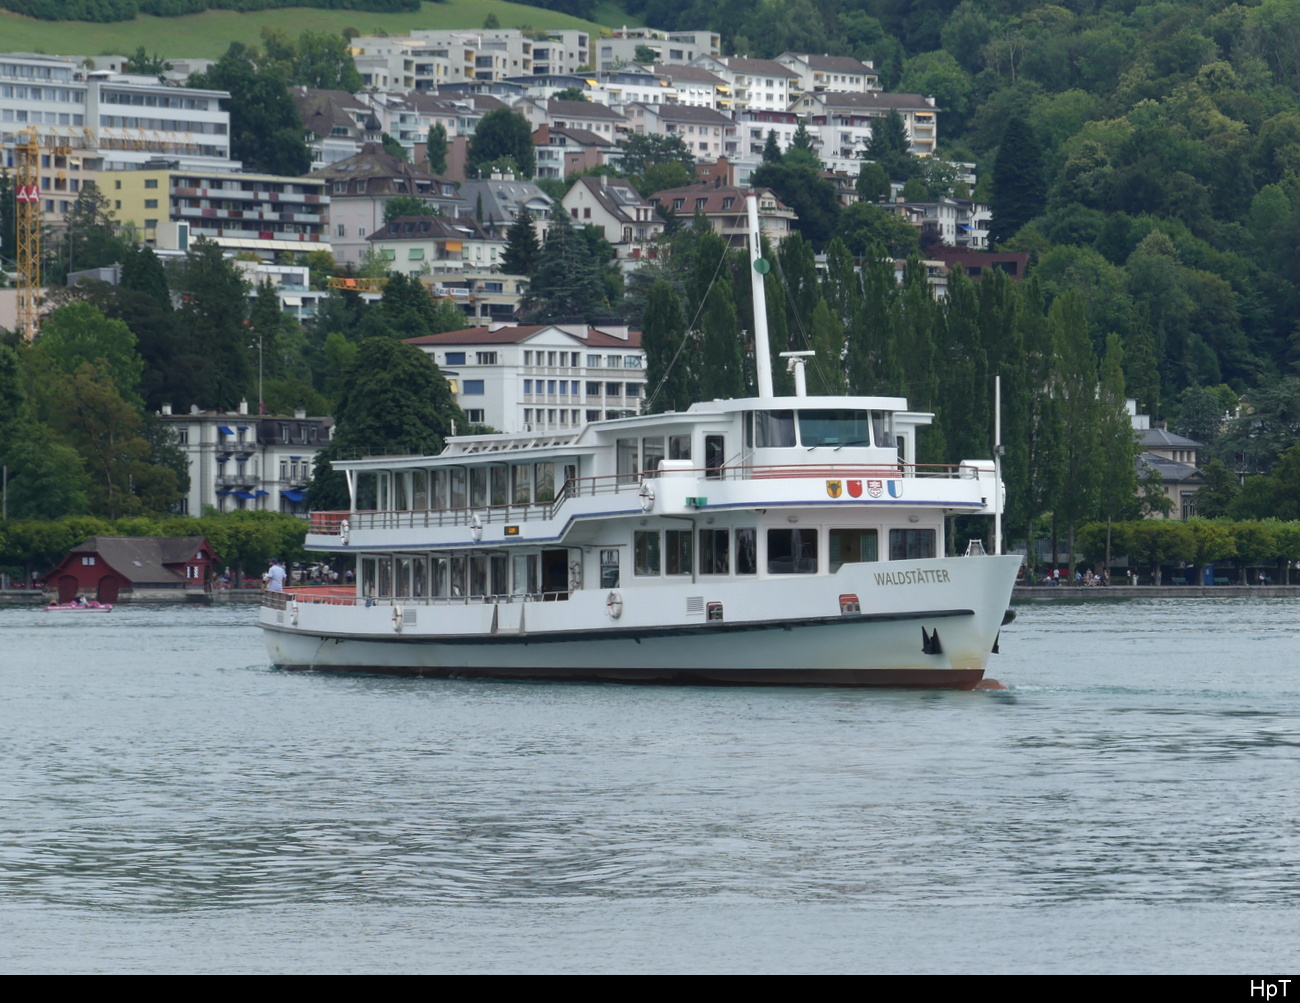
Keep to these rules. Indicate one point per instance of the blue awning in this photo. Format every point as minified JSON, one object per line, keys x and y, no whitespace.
{"x":259,"y":492}
{"x":243,"y":494}
{"x":222,"y":459}
{"x":223,"y":492}
{"x":224,"y":430}
{"x":293,"y":496}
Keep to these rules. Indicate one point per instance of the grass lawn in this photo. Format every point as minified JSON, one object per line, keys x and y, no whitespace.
{"x":208,"y":34}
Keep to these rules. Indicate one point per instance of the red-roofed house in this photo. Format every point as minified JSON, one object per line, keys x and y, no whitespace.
{"x":541,"y":377}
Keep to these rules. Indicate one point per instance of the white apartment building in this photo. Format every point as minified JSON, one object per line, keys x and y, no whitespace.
{"x":708,"y":134}
{"x":919,"y":114}
{"x":588,"y":115}
{"x":755,"y":84}
{"x":676,"y":47}
{"x":434,"y":245}
{"x":829,"y":73}
{"x":88,"y":121}
{"x":242,"y":461}
{"x":541,"y":378}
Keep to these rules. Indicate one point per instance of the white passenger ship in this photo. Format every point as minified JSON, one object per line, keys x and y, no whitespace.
{"x":770,"y":540}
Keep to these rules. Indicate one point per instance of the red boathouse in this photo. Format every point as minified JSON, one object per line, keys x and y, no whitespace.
{"x":108,"y":565}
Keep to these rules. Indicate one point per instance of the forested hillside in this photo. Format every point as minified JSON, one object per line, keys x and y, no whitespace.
{"x":125,"y":10}
{"x":1169,"y":136}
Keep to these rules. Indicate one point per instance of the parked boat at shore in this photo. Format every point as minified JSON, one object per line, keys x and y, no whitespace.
{"x":83,"y":606}
{"x":769,"y":540}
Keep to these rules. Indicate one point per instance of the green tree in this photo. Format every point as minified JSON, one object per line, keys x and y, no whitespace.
{"x":395,"y":401}
{"x":567,"y":281}
{"x":266,"y":132}
{"x":435,"y":149}
{"x":890,"y":147}
{"x":78,"y":333}
{"x":864,"y":227}
{"x":408,"y":205}
{"x":872,"y":183}
{"x":670,"y":351}
{"x":212,"y":318}
{"x":146,"y":65}
{"x":522,"y":249}
{"x":771,"y":148}
{"x":393,"y":147}
{"x":801,"y":188}
{"x":1019,"y":190}
{"x":503,"y":133}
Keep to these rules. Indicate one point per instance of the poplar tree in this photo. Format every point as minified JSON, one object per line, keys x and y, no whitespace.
{"x":1076,"y":387}
{"x":522,"y":249}
{"x":1019,"y":186}
{"x":670,"y":376}
{"x":435,"y":148}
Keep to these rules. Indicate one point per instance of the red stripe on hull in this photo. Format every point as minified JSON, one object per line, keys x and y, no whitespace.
{"x":959,"y":679}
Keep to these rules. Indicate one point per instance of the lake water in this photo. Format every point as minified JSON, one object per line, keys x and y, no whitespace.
{"x":172,"y":804}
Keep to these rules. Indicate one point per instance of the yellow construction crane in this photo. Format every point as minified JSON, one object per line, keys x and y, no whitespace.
{"x":27,"y":194}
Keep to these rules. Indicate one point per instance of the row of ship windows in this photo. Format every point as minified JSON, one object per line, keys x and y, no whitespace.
{"x":671,"y":552}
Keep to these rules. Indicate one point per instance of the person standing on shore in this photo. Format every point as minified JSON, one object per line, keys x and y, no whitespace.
{"x":274,"y":577}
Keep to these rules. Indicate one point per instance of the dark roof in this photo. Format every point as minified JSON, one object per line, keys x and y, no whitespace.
{"x":690,"y":113}
{"x":1159,"y":438}
{"x":696,"y":74}
{"x":743,"y":64}
{"x":141,"y":559}
{"x":514,"y":335}
{"x":834,"y":64}
{"x":375,"y":162}
{"x":874,"y":100}
{"x":321,"y":111}
{"x":1169,"y":470}
{"x":580,"y":109}
{"x":714,"y":194}
{"x":431,"y":228}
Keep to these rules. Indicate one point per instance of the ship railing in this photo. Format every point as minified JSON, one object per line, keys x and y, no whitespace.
{"x":331,"y":523}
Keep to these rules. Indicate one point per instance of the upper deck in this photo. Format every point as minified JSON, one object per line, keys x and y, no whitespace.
{"x":720,"y":456}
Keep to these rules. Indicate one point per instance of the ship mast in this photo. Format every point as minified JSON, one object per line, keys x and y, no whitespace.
{"x":762,"y":353}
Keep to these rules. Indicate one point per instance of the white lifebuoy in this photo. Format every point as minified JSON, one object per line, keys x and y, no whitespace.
{"x":397,"y":619}
{"x":647,"y":496}
{"x":293,"y":613}
{"x":344,"y":529}
{"x":614,"y":605}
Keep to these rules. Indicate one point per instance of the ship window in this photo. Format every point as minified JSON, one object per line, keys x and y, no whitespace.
{"x":368,"y":576}
{"x":645,"y":544}
{"x":420,"y":577}
{"x":911,"y":544}
{"x":439,"y":499}
{"x":478,"y":575}
{"x":834,"y":428}
{"x":792,"y":551}
{"x":544,"y":482}
{"x":679,"y":447}
{"x":677,"y":543}
{"x":770,"y":429}
{"x":400,"y":493}
{"x":403,"y":585}
{"x":478,"y":485}
{"x":420,"y":490}
{"x":628,"y":465}
{"x":652,"y":454}
{"x":500,"y":485}
{"x":456,"y":578}
{"x":715,"y":551}
{"x":457,"y":479}
{"x":853,"y":546}
{"x":609,"y":568}
{"x":439,"y":566}
{"x":880,"y":431}
{"x":498,"y":570}
{"x":385,"y":576}
{"x":715,"y":455}
{"x":523,"y":478}
{"x":747,"y":551}
{"x":527,"y":574}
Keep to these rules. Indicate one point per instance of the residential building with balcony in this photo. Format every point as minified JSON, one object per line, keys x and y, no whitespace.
{"x":88,"y":121}
{"x":497,"y":202}
{"x":818,"y":73}
{"x":628,"y":222}
{"x":588,"y":115}
{"x":362,"y":185}
{"x":755,"y":84}
{"x":692,"y":85}
{"x":541,"y":378}
{"x":919,"y":114}
{"x":708,"y":134}
{"x":561,"y":152}
{"x":676,"y":47}
{"x":487,"y":297}
{"x":725,"y":209}
{"x":264,"y":213}
{"x":434,"y":245}
{"x":338,"y":125}
{"x":242,"y":461}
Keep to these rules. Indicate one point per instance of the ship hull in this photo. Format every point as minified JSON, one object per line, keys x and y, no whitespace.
{"x":934,"y":626}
